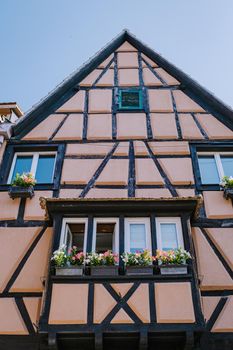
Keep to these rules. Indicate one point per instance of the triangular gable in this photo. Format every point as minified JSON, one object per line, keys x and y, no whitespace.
{"x":153,"y":64}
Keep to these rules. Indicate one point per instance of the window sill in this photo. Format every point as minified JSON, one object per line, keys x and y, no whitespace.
{"x":85,"y":278}
{"x":208,"y":188}
{"x":131,"y":110}
{"x":121,"y":274}
{"x":38,"y":187}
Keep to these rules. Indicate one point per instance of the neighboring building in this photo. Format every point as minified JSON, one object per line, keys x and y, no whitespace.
{"x":9,"y":114}
{"x":123,"y":152}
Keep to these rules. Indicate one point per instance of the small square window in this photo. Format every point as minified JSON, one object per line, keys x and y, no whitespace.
{"x":130,"y":99}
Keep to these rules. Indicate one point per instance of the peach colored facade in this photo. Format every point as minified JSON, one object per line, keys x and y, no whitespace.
{"x":104,"y":153}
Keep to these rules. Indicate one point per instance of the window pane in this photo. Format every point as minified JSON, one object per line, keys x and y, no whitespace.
{"x":44,"y":171}
{"x":208,"y":169}
{"x":68,"y":239}
{"x":130,"y":99}
{"x":227,"y":163}
{"x":77,"y":231}
{"x":22,"y":165}
{"x":169,"y":236}
{"x":137,"y":237}
{"x":104,"y":237}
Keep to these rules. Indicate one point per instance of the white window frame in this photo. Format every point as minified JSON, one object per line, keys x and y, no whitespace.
{"x":116,"y":233}
{"x":143,"y":220}
{"x":217,"y":157}
{"x":169,"y":220}
{"x":35,"y":158}
{"x":64,"y":231}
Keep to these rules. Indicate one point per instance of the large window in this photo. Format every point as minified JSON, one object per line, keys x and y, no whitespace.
{"x":137,"y":234}
{"x":130,"y":99}
{"x":41,"y":164}
{"x":213,"y":166}
{"x":169,"y":233}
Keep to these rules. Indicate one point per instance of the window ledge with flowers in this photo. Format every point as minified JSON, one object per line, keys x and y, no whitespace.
{"x":22,"y":186}
{"x":75,"y":263}
{"x":227,"y":186}
{"x":173,"y":261}
{"x":102,"y":264}
{"x":139,"y":263}
{"x":68,"y":264}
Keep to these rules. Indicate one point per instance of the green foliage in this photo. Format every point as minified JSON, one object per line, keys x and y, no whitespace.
{"x":178,"y":257}
{"x":59,"y":257}
{"x":24,"y":180}
{"x":137,"y":259}
{"x":75,"y":258}
{"x":227,"y":182}
{"x":105,"y":259}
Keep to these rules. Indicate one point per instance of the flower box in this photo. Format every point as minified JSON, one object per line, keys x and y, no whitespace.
{"x":70,"y":270}
{"x":21,"y":192}
{"x":173,"y":269}
{"x":228,"y":193}
{"x":139,"y":270}
{"x":104,"y":270}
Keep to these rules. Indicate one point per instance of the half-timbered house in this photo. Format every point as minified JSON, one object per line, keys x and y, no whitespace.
{"x":128,"y":153}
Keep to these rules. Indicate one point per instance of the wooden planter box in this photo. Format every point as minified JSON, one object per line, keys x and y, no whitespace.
{"x":21,"y":192}
{"x":70,"y":270}
{"x":139,"y":270}
{"x":228,"y":193}
{"x":173,"y":269}
{"x":104,"y":270}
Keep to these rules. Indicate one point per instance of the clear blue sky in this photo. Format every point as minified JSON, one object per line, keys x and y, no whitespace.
{"x":43,"y":41}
